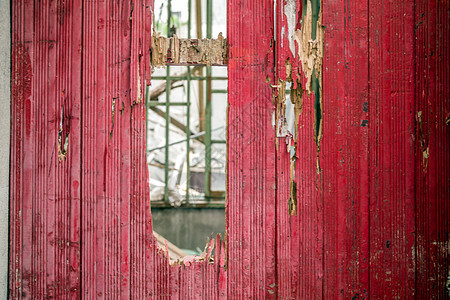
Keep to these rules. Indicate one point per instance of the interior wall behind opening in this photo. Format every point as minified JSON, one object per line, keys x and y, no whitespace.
{"x":186,"y":133}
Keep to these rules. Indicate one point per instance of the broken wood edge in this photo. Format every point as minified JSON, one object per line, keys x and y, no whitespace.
{"x":176,"y":256}
{"x":188,"y":52}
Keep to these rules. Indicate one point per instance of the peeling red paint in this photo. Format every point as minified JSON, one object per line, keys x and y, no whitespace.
{"x":372,"y":211}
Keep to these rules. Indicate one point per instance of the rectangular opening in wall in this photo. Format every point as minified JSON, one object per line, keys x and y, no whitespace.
{"x":186,"y":132}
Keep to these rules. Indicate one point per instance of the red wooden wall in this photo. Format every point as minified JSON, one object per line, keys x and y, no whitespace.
{"x":372,"y":163}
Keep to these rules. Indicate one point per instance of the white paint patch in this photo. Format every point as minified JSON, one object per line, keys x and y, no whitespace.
{"x":282,"y":130}
{"x":290,"y":11}
{"x":290,"y":113}
{"x":286,"y":124}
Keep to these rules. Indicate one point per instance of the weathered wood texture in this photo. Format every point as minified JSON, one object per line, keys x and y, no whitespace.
{"x":431,"y":120}
{"x":391,"y":151}
{"x":183,"y":52}
{"x":362,"y":211}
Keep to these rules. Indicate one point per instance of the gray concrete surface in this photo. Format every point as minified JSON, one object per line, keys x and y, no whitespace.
{"x":5,"y":45}
{"x":188,"y":228}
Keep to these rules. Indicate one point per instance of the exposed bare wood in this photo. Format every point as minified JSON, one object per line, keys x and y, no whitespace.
{"x":187,"y":52}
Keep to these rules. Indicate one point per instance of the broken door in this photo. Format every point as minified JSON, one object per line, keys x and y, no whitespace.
{"x":362,"y":210}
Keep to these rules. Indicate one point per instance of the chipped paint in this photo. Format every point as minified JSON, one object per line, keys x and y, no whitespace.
{"x":293,"y":197}
{"x":288,"y":111}
{"x":63,"y":137}
{"x":310,"y":52}
{"x":139,"y":85}
{"x":310,"y":55}
{"x":423,"y":137}
{"x":310,"y":46}
{"x":289,"y":108}
{"x":113,"y":112}
{"x":303,"y":69}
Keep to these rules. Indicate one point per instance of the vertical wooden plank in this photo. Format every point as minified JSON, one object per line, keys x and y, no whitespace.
{"x":51,"y":215}
{"x":391,"y":119}
{"x":116,"y":213}
{"x":48,"y":251}
{"x":121,"y":131}
{"x":66,"y":109}
{"x":36,"y":224}
{"x":25,"y":161}
{"x":71,"y":16}
{"x":335,"y":176}
{"x":22,"y":80}
{"x":251,"y":151}
{"x":94,"y":134}
{"x":432,"y":161}
{"x":117,"y":148}
{"x":87,"y":178}
{"x":441,"y":145}
{"x":299,"y":151}
{"x":287,"y":252}
{"x":307,"y":224}
{"x":17,"y":63}
{"x":345,"y":150}
{"x":140,"y":202}
{"x":440,"y":150}
{"x":142,"y":242}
